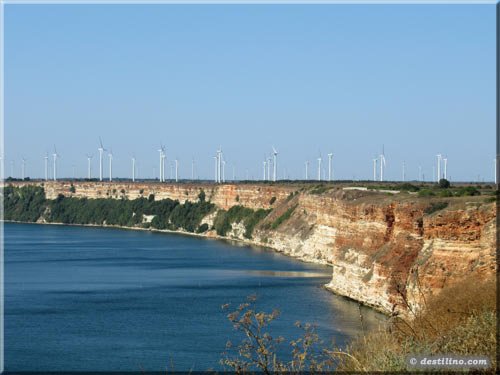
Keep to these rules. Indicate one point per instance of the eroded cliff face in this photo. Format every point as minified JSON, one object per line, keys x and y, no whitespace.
{"x":385,"y":251}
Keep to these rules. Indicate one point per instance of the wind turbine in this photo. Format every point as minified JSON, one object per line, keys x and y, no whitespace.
{"x":55,"y":155}
{"x":439,"y":157}
{"x":275,"y":163}
{"x":264,"y":163}
{"x":382,"y":164}
{"x":445,"y":160}
{"x":23,"y":168}
{"x":330,"y":156}
{"x":101,"y":149}
{"x":133,"y":168}
{"x":46,"y":157}
{"x":319,"y":167}
{"x":215,"y":160}
{"x":375,"y":160}
{"x":161,"y":150}
{"x":223,"y":171}
{"x":176,"y":170}
{"x":89,"y":167}
{"x":307,"y":169}
{"x":110,"y":164}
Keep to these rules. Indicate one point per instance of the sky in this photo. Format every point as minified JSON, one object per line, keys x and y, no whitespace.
{"x":416,"y":80}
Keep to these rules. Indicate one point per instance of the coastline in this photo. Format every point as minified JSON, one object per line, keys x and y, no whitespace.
{"x":233,"y":240}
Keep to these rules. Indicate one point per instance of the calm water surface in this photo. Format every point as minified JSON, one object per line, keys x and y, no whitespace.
{"x":104,"y":299}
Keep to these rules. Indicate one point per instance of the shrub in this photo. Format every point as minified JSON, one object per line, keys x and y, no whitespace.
{"x":202,"y":228}
{"x":444,"y":183}
{"x":435,"y":206}
{"x":273,"y":199}
{"x":276,"y":223}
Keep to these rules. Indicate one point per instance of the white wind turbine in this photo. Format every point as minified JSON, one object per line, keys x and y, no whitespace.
{"x":89,"y":166}
{"x":223,"y":171}
{"x":23,"y":168}
{"x":330,"y":156}
{"x":215,"y":174}
{"x":46,"y":157}
{"x":275,"y":163}
{"x":219,"y":164}
{"x":55,"y":155}
{"x":319,"y":167}
{"x":110,"y":155}
{"x":445,"y":161}
{"x":192,"y":169}
{"x":382,"y":164}
{"x":264,"y":163}
{"x":133,"y":168}
{"x":176,"y":170}
{"x":269,"y":160}
{"x":375,"y":160}
{"x":439,"y":158}
{"x":101,"y":150}
{"x":307,"y":169}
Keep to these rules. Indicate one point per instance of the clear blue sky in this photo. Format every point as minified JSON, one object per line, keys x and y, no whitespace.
{"x":346,"y":79}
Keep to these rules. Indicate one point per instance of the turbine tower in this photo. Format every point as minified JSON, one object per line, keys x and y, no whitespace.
{"x":46,"y":157}
{"x":223,"y":171}
{"x":264,"y":163}
{"x":445,"y":160}
{"x":110,"y":164}
{"x":375,"y":160}
{"x":55,"y":156}
{"x":215,"y":175}
{"x":176,"y":170}
{"x":23,"y":168}
{"x":382,"y":164}
{"x":439,"y":158}
{"x":133,"y":168}
{"x":275,"y":163}
{"x":101,"y":150}
{"x":319,"y":167}
{"x":330,"y":156}
{"x":307,"y":170}
{"x":89,"y":168}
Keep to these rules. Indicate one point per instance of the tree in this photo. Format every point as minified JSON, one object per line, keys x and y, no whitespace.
{"x":444,"y":183}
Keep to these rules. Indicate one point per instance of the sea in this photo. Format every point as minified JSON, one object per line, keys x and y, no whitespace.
{"x":105,"y":299}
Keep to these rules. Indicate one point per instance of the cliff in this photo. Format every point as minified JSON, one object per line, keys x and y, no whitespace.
{"x":386,"y":250}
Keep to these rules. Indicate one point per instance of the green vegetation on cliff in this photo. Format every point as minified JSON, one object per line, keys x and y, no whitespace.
{"x":238,"y":214}
{"x":28,"y":203}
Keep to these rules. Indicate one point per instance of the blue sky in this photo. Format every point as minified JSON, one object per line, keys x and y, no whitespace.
{"x":347,"y":79}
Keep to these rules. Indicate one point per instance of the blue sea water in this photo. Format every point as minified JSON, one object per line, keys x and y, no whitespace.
{"x":99,"y":299}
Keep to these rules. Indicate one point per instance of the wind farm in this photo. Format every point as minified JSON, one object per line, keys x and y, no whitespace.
{"x":217,"y":173}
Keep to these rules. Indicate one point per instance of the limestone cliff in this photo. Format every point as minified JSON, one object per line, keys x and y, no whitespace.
{"x":384,"y":249}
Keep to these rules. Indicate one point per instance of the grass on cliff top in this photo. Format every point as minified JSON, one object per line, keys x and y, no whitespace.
{"x":461,"y":320}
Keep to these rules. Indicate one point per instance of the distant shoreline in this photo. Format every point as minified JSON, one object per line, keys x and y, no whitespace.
{"x":235,"y":241}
